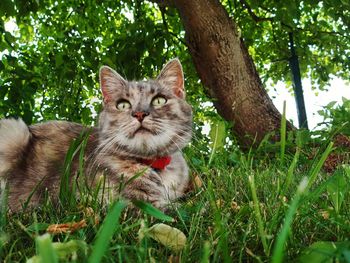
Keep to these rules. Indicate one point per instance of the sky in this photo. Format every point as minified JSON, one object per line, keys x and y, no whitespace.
{"x":338,"y":88}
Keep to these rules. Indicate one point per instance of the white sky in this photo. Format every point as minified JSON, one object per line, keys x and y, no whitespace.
{"x":313,"y":103}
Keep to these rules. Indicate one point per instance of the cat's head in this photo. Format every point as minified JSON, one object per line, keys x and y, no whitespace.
{"x":145,"y":119}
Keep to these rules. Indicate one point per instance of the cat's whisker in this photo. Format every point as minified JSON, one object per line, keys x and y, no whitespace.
{"x":189,"y":134}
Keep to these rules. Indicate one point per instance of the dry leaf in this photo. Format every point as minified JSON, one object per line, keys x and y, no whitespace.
{"x":235,"y":206}
{"x":170,"y":237}
{"x":89,"y":212}
{"x":174,"y":259}
{"x":66,"y":228}
{"x":197,"y":181}
{"x":219,"y":203}
{"x":324,"y":214}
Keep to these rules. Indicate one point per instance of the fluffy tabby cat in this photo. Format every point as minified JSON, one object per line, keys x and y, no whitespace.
{"x":142,"y":128}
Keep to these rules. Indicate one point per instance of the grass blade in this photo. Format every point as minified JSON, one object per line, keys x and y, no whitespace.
{"x":314,"y":172}
{"x":277,"y":255}
{"x":258,"y":215}
{"x":291,"y":169}
{"x":3,"y":204}
{"x":283,"y":133}
{"x":68,"y":185}
{"x":206,"y":252}
{"x":151,"y":210}
{"x":106,"y":232}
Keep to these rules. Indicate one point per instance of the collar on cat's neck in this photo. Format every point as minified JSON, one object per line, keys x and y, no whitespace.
{"x":158,"y":163}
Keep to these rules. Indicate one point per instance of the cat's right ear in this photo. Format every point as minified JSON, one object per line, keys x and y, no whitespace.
{"x":110,"y":81}
{"x":172,"y":76}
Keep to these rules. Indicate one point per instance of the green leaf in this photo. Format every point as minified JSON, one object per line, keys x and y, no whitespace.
{"x":57,"y":250}
{"x":337,"y":188}
{"x":67,"y":249}
{"x":37,"y":226}
{"x":217,"y":134}
{"x":7,"y":7}
{"x":59,"y":59}
{"x":45,"y":249}
{"x":326,"y":252}
{"x":331,"y":104}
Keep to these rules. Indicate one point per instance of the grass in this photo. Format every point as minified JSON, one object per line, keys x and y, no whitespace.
{"x":254,"y":207}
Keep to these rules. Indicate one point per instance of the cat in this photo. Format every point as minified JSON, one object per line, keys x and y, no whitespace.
{"x":143,"y":126}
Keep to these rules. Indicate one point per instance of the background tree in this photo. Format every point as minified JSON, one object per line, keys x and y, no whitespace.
{"x":49,"y":67}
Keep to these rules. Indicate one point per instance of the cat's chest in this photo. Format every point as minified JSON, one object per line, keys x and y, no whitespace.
{"x":169,"y":177}
{"x":175,"y":179}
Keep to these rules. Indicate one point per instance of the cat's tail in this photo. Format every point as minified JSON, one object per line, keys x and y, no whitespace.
{"x":14,"y":137}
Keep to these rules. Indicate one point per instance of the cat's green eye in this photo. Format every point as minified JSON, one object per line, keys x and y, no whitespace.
{"x":123,"y":105}
{"x":159,"y":101}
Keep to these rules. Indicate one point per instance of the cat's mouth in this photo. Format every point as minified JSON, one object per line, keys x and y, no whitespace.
{"x":142,"y":130}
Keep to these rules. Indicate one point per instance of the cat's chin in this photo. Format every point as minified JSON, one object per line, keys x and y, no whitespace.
{"x":140,"y":147}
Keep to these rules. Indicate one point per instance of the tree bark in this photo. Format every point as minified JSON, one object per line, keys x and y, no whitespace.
{"x":227,"y":70}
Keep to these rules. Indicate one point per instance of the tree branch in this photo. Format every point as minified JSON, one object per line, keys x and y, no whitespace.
{"x":253,"y":15}
{"x":164,"y":3}
{"x":165,"y":24}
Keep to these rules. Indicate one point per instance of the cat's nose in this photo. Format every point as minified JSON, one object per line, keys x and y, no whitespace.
{"x":140,"y":115}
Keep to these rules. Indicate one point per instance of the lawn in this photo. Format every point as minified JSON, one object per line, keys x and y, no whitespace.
{"x":275,"y":203}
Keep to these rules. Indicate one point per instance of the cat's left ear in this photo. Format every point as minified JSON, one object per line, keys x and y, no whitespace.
{"x":172,"y":76}
{"x":110,"y":81}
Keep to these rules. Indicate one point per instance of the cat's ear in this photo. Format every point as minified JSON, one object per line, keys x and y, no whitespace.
{"x":172,"y":76}
{"x":110,"y":81}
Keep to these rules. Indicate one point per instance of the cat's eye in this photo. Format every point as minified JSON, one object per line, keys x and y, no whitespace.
{"x":159,"y":101}
{"x":123,"y":105}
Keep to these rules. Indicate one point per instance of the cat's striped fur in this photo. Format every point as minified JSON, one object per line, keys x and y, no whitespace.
{"x":32,"y":156}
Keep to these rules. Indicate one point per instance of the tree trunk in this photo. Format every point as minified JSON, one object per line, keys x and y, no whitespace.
{"x":226,"y":69}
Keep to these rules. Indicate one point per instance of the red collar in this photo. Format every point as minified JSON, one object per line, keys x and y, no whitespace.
{"x":159,"y":163}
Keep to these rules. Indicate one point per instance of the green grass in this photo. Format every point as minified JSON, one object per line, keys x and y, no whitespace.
{"x":259,"y":206}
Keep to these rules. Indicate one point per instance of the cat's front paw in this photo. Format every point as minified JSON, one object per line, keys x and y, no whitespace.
{"x":161,"y":204}
{"x":148,"y":190}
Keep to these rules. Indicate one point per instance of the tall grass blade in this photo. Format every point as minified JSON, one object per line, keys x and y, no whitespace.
{"x":291,"y":169}
{"x":27,"y":202}
{"x":206,"y":252}
{"x":283,"y":134}
{"x":106,"y":232}
{"x":151,"y":210}
{"x":3,"y":212}
{"x":3,"y":205}
{"x":67,"y":195}
{"x":278,"y":250}
{"x":258,"y":215}
{"x":314,"y":172}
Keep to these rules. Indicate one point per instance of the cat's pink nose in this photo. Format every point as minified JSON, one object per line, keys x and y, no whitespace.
{"x":140,"y":115}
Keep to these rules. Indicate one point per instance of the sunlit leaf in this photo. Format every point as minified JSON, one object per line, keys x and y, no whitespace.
{"x":170,"y":237}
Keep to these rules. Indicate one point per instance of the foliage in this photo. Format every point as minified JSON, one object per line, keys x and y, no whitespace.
{"x":337,"y":117}
{"x":320,"y":30}
{"x":49,"y":65}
